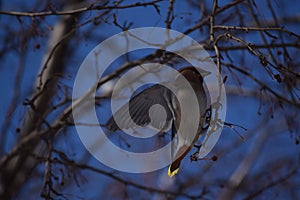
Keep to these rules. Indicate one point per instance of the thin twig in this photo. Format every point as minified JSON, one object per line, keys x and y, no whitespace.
{"x":79,"y":10}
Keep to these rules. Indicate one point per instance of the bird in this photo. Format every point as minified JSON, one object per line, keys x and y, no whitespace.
{"x":140,"y":104}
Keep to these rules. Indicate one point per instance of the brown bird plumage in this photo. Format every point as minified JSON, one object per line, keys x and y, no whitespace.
{"x":141,"y":103}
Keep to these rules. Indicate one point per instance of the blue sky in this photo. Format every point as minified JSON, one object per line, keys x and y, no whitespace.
{"x":242,"y":109}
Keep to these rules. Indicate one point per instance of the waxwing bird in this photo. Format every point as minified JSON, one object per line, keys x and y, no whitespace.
{"x":140,"y":104}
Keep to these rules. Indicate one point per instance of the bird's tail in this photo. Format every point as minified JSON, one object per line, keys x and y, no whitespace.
{"x":180,"y":154}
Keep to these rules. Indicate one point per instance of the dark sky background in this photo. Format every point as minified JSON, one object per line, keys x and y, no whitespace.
{"x":277,"y":141}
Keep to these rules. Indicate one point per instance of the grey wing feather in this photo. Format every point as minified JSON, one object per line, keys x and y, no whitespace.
{"x":139,"y":107}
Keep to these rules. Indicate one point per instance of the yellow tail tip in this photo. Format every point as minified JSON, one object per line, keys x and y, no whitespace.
{"x":172,"y":173}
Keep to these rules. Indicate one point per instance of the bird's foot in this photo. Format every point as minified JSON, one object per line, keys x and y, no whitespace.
{"x":198,"y":146}
{"x":194,"y":156}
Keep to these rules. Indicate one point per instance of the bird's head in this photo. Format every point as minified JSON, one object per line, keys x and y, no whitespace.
{"x":191,"y":72}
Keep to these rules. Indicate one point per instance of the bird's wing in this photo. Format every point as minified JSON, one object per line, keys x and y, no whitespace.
{"x":144,"y":111}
